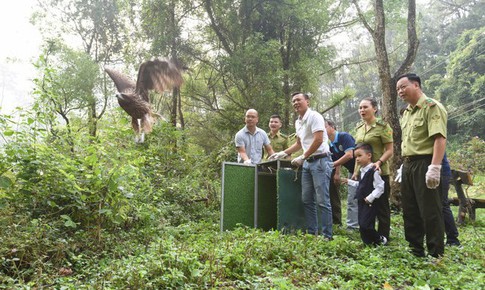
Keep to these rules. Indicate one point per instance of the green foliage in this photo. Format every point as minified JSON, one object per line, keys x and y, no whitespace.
{"x":469,"y":156}
{"x":103,"y":212}
{"x":198,"y":256}
{"x":451,"y":63}
{"x":92,"y":188}
{"x":266,"y":51}
{"x":67,"y":88}
{"x":109,"y":213}
{"x":461,"y":90}
{"x":98,"y":25}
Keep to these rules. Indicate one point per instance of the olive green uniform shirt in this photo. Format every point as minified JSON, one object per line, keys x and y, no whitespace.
{"x":419,"y":124}
{"x":292,"y":140}
{"x":379,"y":134}
{"x":279,"y":142}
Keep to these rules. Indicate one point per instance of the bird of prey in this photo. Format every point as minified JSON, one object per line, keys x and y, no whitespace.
{"x":158,"y":75}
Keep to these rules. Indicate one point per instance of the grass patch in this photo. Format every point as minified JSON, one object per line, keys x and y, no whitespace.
{"x":197,"y":255}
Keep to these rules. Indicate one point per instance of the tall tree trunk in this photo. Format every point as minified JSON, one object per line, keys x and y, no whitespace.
{"x":286,"y":88}
{"x":173,"y":111}
{"x":181,"y":116}
{"x":388,"y":80}
{"x":285,"y":51}
{"x":92,"y":122}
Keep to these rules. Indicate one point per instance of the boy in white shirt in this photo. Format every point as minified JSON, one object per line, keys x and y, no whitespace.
{"x":369,"y":187}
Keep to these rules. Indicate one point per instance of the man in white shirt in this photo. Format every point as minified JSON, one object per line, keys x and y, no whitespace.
{"x":316,"y":162}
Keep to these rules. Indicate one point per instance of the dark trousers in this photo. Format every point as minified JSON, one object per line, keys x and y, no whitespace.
{"x":422,"y":210}
{"x":450,"y":226}
{"x":335,"y":201}
{"x":384,"y":210}
{"x":367,"y":220}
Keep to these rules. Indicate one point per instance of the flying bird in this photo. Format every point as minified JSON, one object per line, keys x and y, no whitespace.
{"x":158,"y":75}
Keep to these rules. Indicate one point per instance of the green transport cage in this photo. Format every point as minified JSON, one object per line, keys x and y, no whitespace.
{"x":266,"y":196}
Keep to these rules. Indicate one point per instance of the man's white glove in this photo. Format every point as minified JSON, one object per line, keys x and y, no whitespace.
{"x":433,"y":176}
{"x":247,"y":162}
{"x":298,"y":161}
{"x":398,"y":175}
{"x":278,"y":155}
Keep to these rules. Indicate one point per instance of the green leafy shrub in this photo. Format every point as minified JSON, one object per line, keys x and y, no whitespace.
{"x":107,"y":213}
{"x":82,"y":188}
{"x":468,"y":156}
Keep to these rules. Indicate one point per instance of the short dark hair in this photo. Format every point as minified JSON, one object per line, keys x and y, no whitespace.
{"x":367,"y":148}
{"x":275,"y":116}
{"x":412,"y":77}
{"x":331,"y":124}
{"x":300,"y":93}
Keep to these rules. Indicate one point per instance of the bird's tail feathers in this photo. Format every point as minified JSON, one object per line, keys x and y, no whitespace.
{"x":147,"y":123}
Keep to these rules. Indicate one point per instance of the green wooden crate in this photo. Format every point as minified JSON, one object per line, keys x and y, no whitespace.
{"x":238,"y":195}
{"x":279,"y":197}
{"x":291,"y":216}
{"x":266,"y":196}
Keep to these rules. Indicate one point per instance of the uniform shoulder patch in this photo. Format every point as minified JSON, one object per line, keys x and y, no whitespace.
{"x":381,"y":122}
{"x":430,"y":102}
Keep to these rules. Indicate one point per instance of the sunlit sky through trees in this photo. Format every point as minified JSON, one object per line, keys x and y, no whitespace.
{"x":21,"y":46}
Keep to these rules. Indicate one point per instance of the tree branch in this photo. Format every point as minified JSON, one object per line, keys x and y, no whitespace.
{"x":346,"y":64}
{"x":413,"y":42}
{"x":362,"y":18}
{"x":216,"y":28}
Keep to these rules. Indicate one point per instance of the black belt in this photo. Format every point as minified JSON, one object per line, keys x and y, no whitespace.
{"x":316,"y":157}
{"x":416,"y":157}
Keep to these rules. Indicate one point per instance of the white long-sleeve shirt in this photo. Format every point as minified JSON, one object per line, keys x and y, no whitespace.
{"x":378,"y":183}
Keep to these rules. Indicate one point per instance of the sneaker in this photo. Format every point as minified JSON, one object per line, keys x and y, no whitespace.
{"x":383,"y":240}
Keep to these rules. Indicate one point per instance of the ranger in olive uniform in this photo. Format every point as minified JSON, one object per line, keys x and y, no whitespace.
{"x":278,"y":140}
{"x":291,"y":140}
{"x":378,"y":134}
{"x":423,"y":147}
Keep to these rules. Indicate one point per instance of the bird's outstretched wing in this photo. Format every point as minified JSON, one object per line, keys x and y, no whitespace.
{"x":123,"y":83}
{"x":158,"y":75}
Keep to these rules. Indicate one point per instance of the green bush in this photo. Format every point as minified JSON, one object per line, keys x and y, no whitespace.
{"x":81,"y":188}
{"x":107,"y":213}
{"x":468,"y":156}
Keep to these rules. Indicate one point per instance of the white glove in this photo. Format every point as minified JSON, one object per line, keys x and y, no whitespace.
{"x":433,"y":176}
{"x":398,"y":175}
{"x":298,"y":161}
{"x":278,"y":155}
{"x":247,"y":162}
